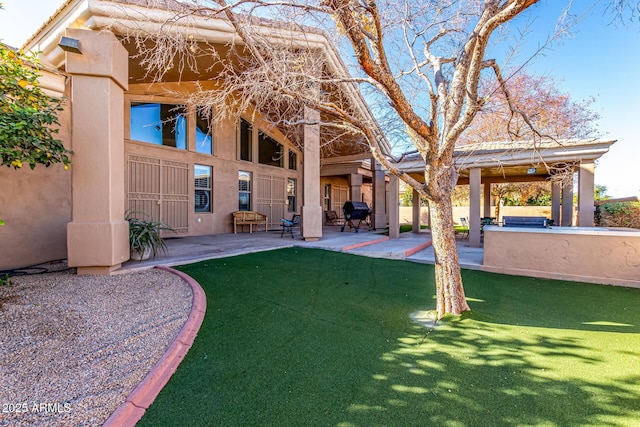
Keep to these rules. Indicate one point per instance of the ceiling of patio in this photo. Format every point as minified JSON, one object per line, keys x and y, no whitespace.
{"x":333,"y":144}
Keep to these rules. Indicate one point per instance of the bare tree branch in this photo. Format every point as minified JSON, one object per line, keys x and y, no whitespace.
{"x":422,"y":61}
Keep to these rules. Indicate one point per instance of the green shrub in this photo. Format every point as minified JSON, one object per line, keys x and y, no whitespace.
{"x":618,"y":214}
{"x":144,"y":234}
{"x":28,"y":116}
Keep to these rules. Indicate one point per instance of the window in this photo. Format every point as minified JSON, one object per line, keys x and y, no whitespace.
{"x":204,"y":130}
{"x":271,"y":152}
{"x":244,"y":191}
{"x":202,"y":177}
{"x":246,"y":145}
{"x":160,"y":124}
{"x":291,"y":195}
{"x":327,"y":197}
{"x":293,"y":160}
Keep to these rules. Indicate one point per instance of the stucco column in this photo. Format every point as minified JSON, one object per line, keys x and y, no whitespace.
{"x":474,"y":207}
{"x":311,"y":208}
{"x":586,"y":206}
{"x":394,"y":207}
{"x":379,"y":195}
{"x":556,"y":190}
{"x":355,"y":187}
{"x":98,"y":235}
{"x":415,"y":212}
{"x":487,"y":199}
{"x":567,"y":206}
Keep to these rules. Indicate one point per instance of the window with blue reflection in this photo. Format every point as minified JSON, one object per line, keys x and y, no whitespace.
{"x":204,"y":130}
{"x":160,"y":124}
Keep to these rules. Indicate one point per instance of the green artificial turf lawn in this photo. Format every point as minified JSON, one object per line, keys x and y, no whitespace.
{"x":306,"y":337}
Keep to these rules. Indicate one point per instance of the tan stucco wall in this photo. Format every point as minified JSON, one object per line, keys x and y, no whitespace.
{"x":98,"y":235}
{"x":343,"y":181}
{"x":36,"y":205}
{"x":224,"y":161}
{"x":568,"y":253}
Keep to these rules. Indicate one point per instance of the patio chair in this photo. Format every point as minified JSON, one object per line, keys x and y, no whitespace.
{"x":287,"y":225}
{"x":332,"y":218}
{"x":464,"y":230}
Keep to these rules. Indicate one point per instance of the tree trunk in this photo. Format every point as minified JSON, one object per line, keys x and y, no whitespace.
{"x":450,"y":296}
{"x":498,"y":202}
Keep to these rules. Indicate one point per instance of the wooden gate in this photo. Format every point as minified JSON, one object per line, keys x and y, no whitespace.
{"x":159,"y":188}
{"x":271,"y":198}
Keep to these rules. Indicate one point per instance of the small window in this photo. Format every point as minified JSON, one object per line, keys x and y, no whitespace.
{"x":246,"y":145}
{"x":271,"y":152}
{"x":291,"y":195}
{"x":160,"y":124}
{"x":327,"y":197}
{"x":293,"y":160}
{"x":244,"y":191}
{"x":202,"y":177}
{"x":204,"y":130}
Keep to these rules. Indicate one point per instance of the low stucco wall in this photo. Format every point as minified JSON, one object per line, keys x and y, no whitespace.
{"x":595,"y":255}
{"x":36,"y":205}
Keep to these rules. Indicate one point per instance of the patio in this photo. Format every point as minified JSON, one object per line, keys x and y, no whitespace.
{"x":410,"y":246}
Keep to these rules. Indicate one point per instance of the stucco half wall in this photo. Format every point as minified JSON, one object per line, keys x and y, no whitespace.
{"x":589,"y":254}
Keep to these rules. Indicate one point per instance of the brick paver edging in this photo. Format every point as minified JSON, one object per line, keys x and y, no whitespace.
{"x":134,"y":407}
{"x":416,"y":249}
{"x":363,"y":244}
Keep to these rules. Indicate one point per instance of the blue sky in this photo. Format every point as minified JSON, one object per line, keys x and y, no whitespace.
{"x":600,"y":59}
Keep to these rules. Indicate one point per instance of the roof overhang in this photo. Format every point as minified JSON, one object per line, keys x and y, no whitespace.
{"x":517,"y":158}
{"x":127,"y":17}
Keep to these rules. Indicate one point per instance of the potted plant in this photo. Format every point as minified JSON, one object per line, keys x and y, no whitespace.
{"x":144,"y":235}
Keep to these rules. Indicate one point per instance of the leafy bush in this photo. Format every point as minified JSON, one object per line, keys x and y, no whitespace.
{"x":28,"y":116}
{"x":5,"y":280}
{"x":144,"y":233}
{"x":618,"y":214}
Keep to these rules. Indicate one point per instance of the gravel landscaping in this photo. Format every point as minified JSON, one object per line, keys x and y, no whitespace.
{"x":73,"y":347}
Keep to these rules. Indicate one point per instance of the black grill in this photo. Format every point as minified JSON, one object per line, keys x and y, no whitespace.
{"x":355,"y":211}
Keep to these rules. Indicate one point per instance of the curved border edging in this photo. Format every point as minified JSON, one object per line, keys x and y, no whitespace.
{"x":134,"y":407}
{"x":416,"y":249}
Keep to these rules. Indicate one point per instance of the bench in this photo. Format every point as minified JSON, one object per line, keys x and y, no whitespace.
{"x":526,"y":221}
{"x":250,"y":218}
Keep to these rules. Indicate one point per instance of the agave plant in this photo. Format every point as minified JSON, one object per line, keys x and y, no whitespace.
{"x":144,"y":235}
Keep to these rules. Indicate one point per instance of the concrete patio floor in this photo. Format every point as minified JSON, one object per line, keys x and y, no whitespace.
{"x":410,"y":246}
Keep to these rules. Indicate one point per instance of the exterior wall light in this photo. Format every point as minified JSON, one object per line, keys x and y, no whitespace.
{"x":69,"y":44}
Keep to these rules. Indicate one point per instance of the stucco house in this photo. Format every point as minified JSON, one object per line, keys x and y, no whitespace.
{"x":138,"y":147}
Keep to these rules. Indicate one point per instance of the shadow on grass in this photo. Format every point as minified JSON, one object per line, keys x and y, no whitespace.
{"x":462,"y":376}
{"x":309,"y":337}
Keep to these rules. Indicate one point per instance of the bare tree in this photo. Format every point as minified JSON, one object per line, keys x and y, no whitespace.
{"x":624,"y":9}
{"x":420,"y":64}
{"x":551,"y":111}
